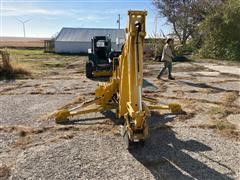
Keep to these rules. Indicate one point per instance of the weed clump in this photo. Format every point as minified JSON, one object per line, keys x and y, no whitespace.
{"x":9,"y":71}
{"x":229,"y":98}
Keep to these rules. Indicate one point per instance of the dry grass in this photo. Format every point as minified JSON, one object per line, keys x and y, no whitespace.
{"x":222,"y":111}
{"x":29,"y":137}
{"x":74,"y":102}
{"x":22,"y":42}
{"x":12,"y":71}
{"x":67,"y":136}
{"x":217,"y":110}
{"x":229,"y":97}
{"x":23,"y":142}
{"x":20,"y":70}
{"x":43,"y":64}
{"x":219,"y":125}
{"x":4,"y":172}
{"x":23,"y":130}
{"x":223,"y":127}
{"x":71,"y":104}
{"x":184,"y":117}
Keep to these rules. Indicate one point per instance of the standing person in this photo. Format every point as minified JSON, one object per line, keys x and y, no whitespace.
{"x":167,"y":56}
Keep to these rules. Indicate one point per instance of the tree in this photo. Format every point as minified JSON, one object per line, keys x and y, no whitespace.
{"x":221,"y":32}
{"x":185,"y":15}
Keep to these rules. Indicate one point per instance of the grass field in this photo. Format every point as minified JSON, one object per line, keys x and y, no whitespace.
{"x":22,"y":42}
{"x":38,"y":62}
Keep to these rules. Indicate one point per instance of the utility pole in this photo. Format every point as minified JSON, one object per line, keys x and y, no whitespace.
{"x":156,"y":26}
{"x":23,"y":24}
{"x":119,"y":21}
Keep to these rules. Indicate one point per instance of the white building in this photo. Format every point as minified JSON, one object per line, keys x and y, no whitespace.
{"x":78,"y":40}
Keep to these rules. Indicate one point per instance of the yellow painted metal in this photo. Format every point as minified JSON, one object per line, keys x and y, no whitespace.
{"x":148,"y":99}
{"x":61,"y":116}
{"x":124,"y":90}
{"x":175,"y":108}
{"x":102,"y":73}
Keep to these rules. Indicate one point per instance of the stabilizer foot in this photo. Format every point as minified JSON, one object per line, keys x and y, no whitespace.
{"x":129,"y":144}
{"x":61,"y":117}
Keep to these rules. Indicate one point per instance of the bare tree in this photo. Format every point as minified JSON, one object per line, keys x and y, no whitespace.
{"x":185,"y":15}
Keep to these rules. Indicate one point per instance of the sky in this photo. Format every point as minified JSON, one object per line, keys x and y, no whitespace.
{"x":47,"y":17}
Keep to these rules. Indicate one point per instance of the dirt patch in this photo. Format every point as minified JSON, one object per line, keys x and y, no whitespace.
{"x":75,"y":101}
{"x":222,"y":127}
{"x":229,"y":97}
{"x":23,"y":142}
{"x":28,"y":137}
{"x":186,"y":116}
{"x":4,"y":172}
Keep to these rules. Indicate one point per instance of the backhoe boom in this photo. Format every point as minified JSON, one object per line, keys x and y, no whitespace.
{"x":124,"y":90}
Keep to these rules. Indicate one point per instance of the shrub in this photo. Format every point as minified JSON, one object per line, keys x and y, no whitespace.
{"x":221,"y":32}
{"x":9,"y":71}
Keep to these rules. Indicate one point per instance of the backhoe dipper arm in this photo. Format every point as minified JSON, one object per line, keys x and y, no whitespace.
{"x":124,"y":90}
{"x":131,"y":76}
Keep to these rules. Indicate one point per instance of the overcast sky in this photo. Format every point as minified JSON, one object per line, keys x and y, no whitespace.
{"x":47,"y":17}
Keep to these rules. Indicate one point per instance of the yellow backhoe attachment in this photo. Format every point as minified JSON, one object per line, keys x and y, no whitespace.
{"x":102,"y":73}
{"x":124,"y":90}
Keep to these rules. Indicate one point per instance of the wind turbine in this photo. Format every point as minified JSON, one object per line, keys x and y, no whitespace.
{"x":23,"y":24}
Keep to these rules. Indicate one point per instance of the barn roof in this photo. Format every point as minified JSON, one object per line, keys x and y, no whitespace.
{"x":86,"y":34}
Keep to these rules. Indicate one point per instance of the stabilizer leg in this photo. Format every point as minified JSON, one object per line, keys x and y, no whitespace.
{"x":62,"y":115}
{"x":175,"y":108}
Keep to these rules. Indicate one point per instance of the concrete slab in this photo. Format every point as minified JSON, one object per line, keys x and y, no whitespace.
{"x":206,"y":73}
{"x":234,"y":119}
{"x":182,"y":74}
{"x":237,"y":102}
{"x":218,"y":79}
{"x":234,"y":86}
{"x":222,"y":69}
{"x":184,"y":65}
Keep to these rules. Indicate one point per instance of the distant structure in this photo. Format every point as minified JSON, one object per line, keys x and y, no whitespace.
{"x":78,"y":40}
{"x":119,"y":21}
{"x":23,"y":24}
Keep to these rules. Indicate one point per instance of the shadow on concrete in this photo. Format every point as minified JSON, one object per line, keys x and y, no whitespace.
{"x":203,"y":85}
{"x":85,"y":121}
{"x":147,"y":85}
{"x":107,"y":115}
{"x":165,"y":155}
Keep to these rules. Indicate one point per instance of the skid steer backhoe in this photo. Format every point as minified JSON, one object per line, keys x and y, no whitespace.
{"x":124,"y":90}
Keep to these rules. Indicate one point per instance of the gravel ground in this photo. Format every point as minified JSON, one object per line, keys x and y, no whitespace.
{"x":179,"y":146}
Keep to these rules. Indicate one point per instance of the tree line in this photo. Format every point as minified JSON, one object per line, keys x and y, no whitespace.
{"x":210,"y":27}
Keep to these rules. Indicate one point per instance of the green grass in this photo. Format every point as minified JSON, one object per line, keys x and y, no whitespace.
{"x":25,"y":51}
{"x":223,"y":125}
{"x":216,"y":110}
{"x":40,"y":63}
